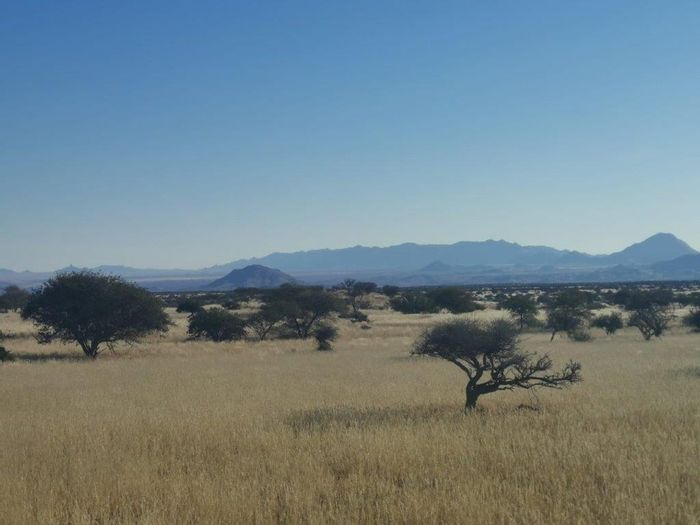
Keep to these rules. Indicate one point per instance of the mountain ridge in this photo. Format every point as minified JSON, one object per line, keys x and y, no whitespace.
{"x":464,"y":261}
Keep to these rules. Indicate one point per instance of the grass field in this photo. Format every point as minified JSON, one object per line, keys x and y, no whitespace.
{"x":174,"y":431}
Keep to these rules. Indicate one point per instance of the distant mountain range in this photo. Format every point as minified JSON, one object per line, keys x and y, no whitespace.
{"x":662,"y":256}
{"x":253,"y":276}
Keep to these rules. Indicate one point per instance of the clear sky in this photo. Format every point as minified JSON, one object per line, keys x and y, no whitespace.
{"x":185,"y":134}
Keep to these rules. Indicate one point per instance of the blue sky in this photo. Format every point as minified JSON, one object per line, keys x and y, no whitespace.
{"x":185,"y":134}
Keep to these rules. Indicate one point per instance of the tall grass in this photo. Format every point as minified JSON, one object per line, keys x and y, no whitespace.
{"x":173,"y":431}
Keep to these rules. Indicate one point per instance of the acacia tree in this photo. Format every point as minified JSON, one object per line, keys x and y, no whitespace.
{"x":523,"y":308}
{"x":652,"y":321}
{"x":569,"y":312}
{"x":216,"y":324}
{"x":489,"y":354}
{"x":652,"y":312}
{"x":454,"y":299}
{"x":304,"y":307}
{"x":355,"y":290}
{"x":611,"y":322}
{"x":93,"y":310}
{"x":269,"y":316}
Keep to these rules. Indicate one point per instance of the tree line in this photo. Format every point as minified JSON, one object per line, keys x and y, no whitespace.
{"x":97,"y":311}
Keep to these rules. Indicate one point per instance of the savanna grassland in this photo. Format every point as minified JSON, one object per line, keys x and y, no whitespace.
{"x":177,"y":431}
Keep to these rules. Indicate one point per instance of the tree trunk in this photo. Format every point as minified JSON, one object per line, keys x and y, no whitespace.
{"x":471,"y":397}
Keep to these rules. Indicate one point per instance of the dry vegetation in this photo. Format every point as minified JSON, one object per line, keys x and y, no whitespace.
{"x":173,"y":431}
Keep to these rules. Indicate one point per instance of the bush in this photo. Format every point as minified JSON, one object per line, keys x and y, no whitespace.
{"x":523,"y":308}
{"x":6,"y":355}
{"x":652,"y":321}
{"x":390,"y":291}
{"x":414,"y":303}
{"x":568,"y":312}
{"x":188,"y":306}
{"x":304,"y":307}
{"x":692,"y":319}
{"x":216,"y":324}
{"x":359,"y":317}
{"x":14,"y":298}
{"x":325,"y":334}
{"x":231,"y":304}
{"x":611,"y":323}
{"x":580,"y":335}
{"x":455,"y":300}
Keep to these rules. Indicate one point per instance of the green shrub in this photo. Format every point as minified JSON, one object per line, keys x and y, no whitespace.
{"x":611,"y":323}
{"x":216,"y":324}
{"x":414,"y":303}
{"x":6,"y":355}
{"x":692,"y":319}
{"x":325,"y":334}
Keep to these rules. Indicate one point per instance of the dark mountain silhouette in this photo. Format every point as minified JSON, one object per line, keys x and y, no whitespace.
{"x":657,"y":248}
{"x":411,"y":257}
{"x":253,"y":276}
{"x":684,"y":267}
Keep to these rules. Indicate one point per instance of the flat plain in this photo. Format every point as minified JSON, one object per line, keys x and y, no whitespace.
{"x":179,"y":431}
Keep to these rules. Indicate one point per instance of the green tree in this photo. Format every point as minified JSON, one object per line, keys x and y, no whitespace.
{"x":189,"y":306}
{"x":304,"y":307}
{"x":569,"y":312}
{"x":390,"y":290}
{"x":523,"y":308}
{"x":93,"y":310}
{"x":216,"y":324}
{"x":414,"y":303}
{"x":611,"y":322}
{"x":454,"y":299}
{"x":14,"y":298}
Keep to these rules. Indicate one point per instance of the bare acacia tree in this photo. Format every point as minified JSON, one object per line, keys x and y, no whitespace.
{"x":489,"y":354}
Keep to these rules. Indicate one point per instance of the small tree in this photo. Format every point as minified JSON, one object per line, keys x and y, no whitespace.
{"x":305,"y":307}
{"x":269,"y":316}
{"x":414,"y":303}
{"x":390,"y":290}
{"x":325,"y":334}
{"x":6,"y":355}
{"x":356,"y":290}
{"x":611,"y":322}
{"x":652,"y":320}
{"x":489,"y":354}
{"x":14,"y":298}
{"x":216,"y":324}
{"x":94,"y":311}
{"x":455,"y":300}
{"x":189,"y":306}
{"x":692,"y":319}
{"x":652,"y":311}
{"x":523,"y":308}
{"x":569,"y":312}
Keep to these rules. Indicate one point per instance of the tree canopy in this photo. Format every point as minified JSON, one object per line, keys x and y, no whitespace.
{"x":94,"y":310}
{"x":489,"y":354}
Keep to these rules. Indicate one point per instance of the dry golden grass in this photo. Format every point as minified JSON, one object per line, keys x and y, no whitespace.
{"x":172,"y":431}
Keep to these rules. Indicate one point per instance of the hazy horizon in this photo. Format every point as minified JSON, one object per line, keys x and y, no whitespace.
{"x":168,"y":135}
{"x":233,"y":259}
